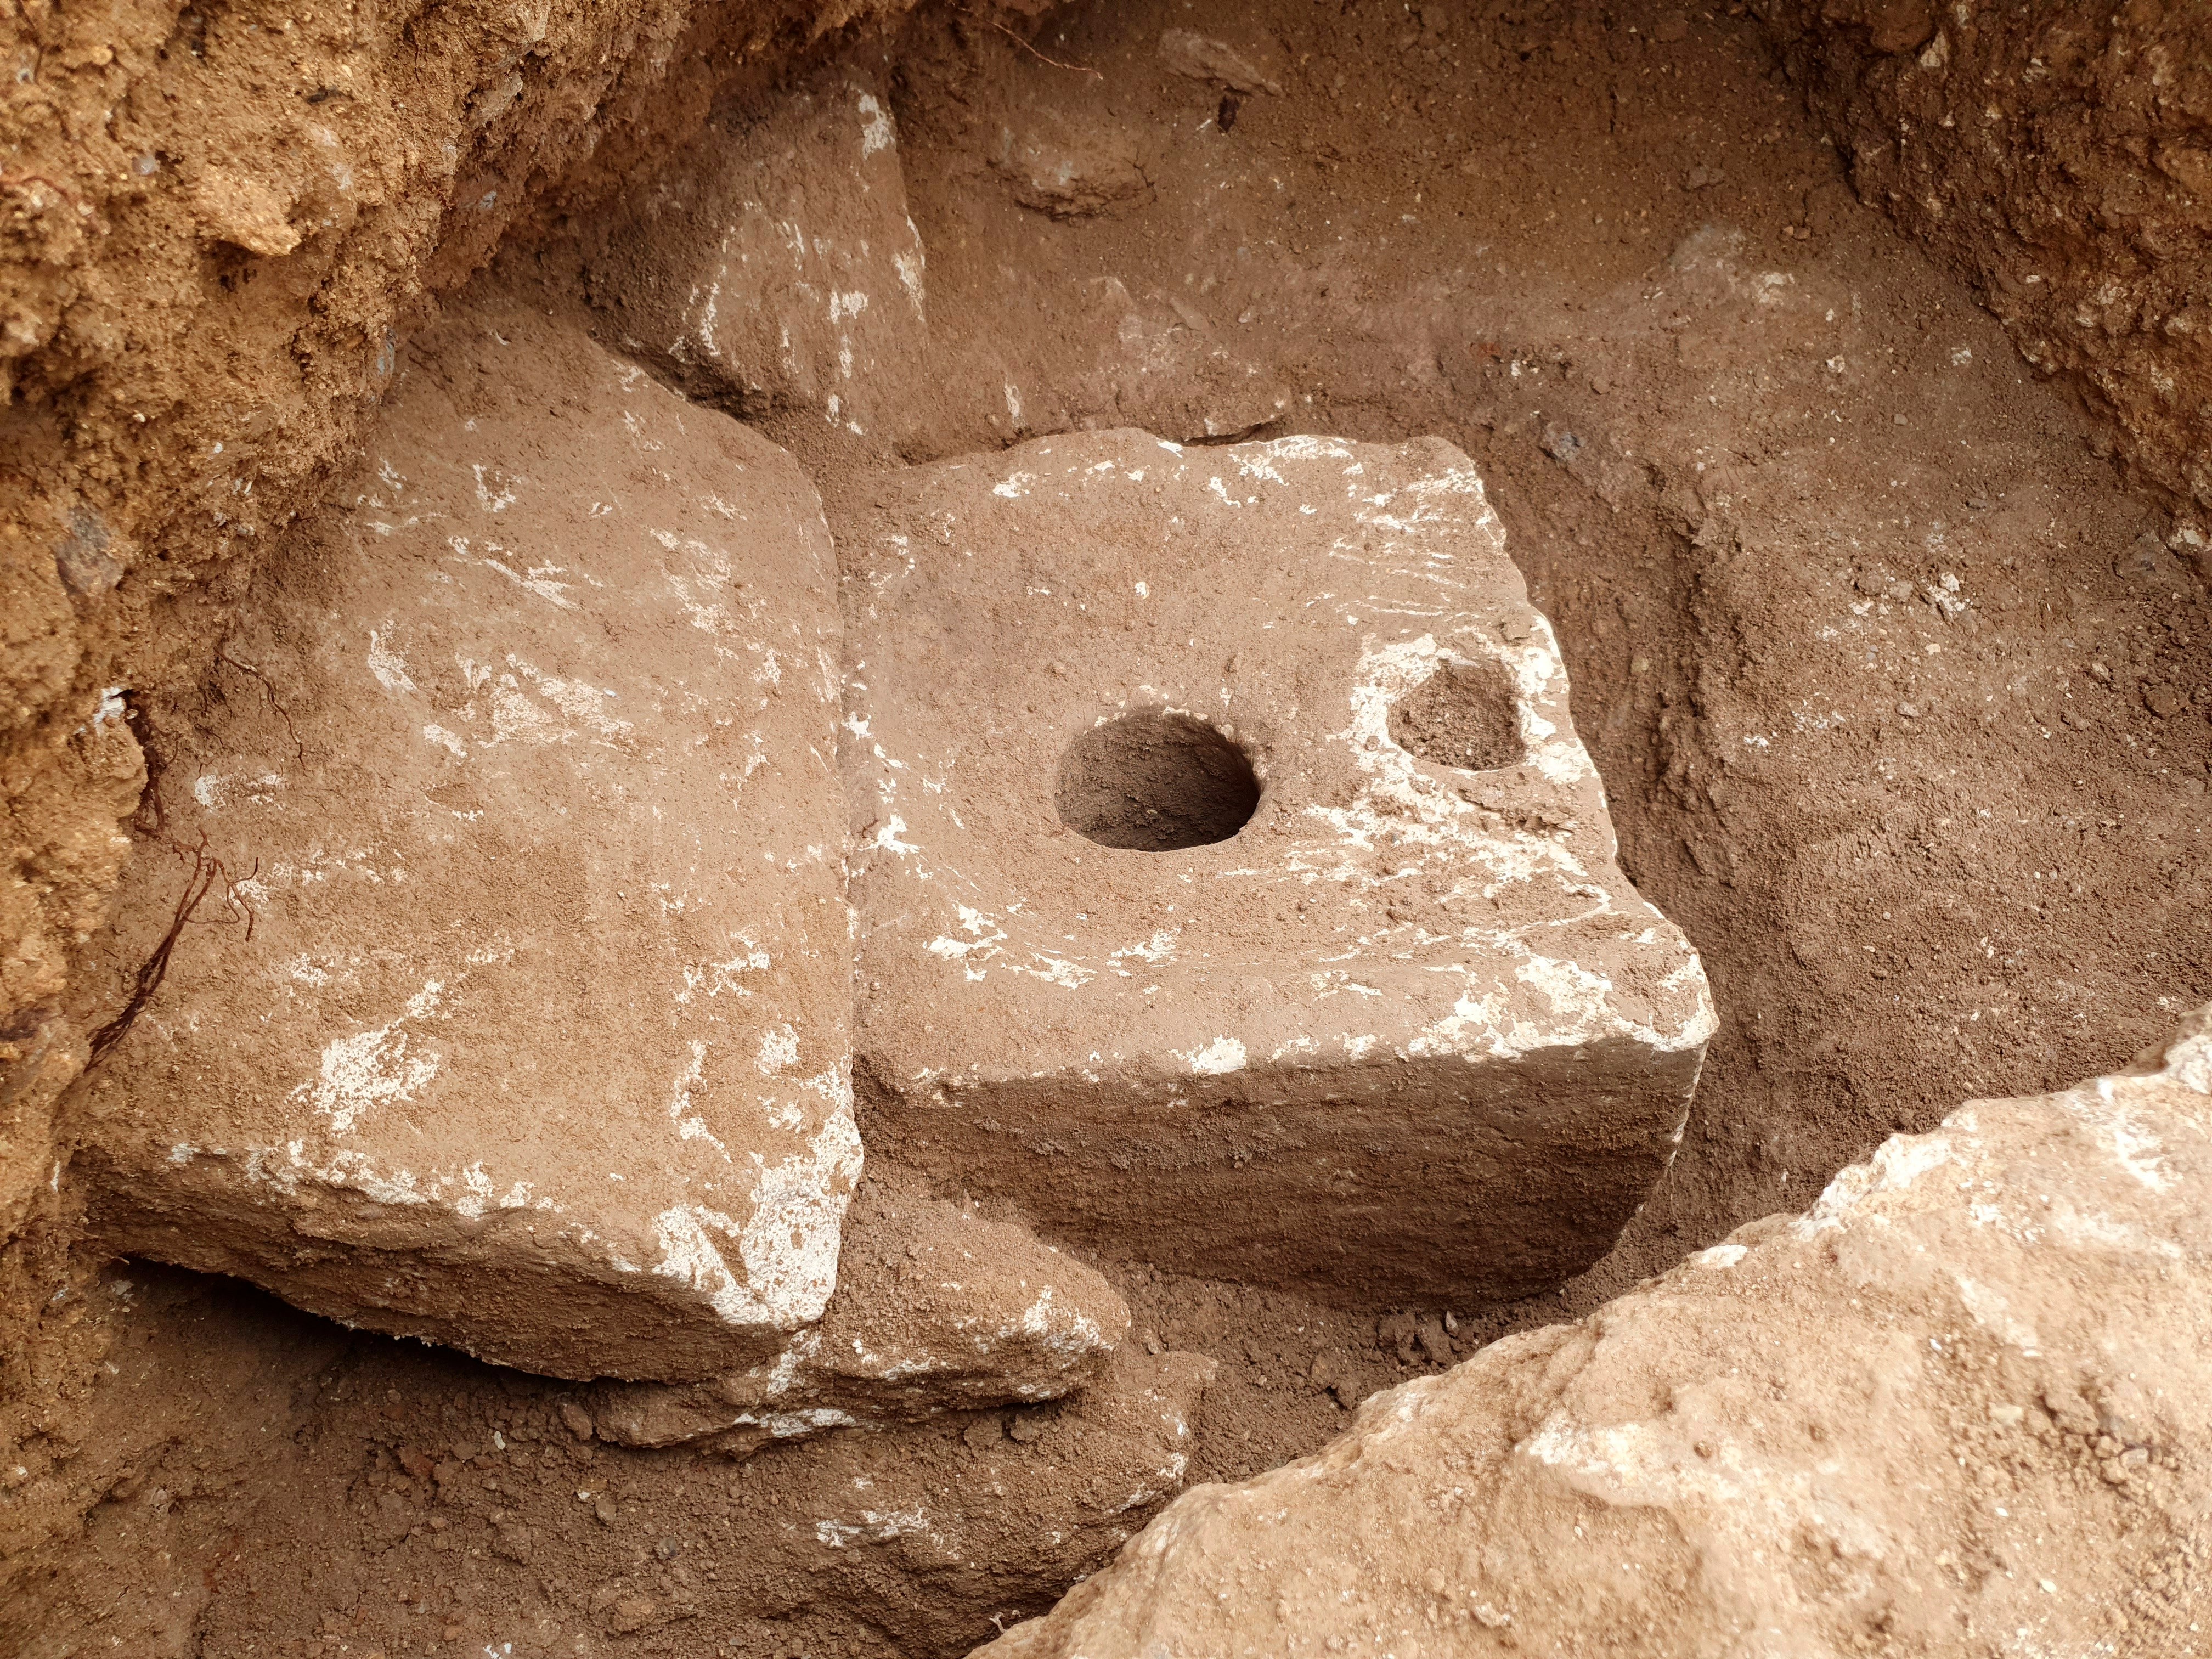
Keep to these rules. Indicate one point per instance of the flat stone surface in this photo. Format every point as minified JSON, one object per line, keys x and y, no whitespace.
{"x":1408,"y":1031}
{"x":1959,"y":1406}
{"x":935,"y":1309}
{"x":517,"y":1017}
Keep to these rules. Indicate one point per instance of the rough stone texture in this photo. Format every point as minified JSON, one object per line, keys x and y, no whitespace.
{"x":516,"y":1017}
{"x":1959,"y":1406}
{"x":778,"y":268}
{"x":2060,"y":159}
{"x":1410,"y":1032}
{"x":1030,"y":1498}
{"x":935,"y":1309}
{"x":217,"y":228}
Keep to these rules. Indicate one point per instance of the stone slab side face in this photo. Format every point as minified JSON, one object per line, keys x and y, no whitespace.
{"x":780,"y":268}
{"x":517,"y":1016}
{"x":1408,"y":1032}
{"x":1988,"y":1345}
{"x":936,"y":1309}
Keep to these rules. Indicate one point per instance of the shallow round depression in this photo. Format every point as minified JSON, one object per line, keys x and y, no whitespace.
{"x":1465,"y":714}
{"x":1155,"y":782}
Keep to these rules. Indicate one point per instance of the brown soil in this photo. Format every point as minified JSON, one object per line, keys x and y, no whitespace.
{"x":1898,"y":688}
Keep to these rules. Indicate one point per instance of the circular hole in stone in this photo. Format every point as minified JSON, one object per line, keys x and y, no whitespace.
{"x":1155,"y":782}
{"x":1465,"y":714}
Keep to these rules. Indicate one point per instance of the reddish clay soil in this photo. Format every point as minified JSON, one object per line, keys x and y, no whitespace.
{"x":1900,"y":700}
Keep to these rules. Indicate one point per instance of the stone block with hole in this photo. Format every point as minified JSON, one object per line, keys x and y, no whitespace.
{"x":1235,"y":893}
{"x":514,"y":1012}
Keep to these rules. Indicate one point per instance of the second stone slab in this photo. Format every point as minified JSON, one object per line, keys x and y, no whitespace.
{"x":1235,"y":893}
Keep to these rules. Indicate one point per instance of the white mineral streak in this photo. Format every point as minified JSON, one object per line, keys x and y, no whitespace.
{"x":1063,"y":1332}
{"x":1217,"y":1058}
{"x":372,"y":1068}
{"x":787,"y":1244}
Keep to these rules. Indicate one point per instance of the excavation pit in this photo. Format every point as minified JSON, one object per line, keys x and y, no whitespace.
{"x":1155,"y":782}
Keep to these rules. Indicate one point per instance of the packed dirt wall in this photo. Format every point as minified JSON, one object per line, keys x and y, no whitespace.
{"x":2059,"y":158}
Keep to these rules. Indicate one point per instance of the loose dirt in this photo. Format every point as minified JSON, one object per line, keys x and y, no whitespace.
{"x":1899,"y":694}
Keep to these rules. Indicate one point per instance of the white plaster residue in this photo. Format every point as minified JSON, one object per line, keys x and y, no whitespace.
{"x":876,"y":130}
{"x":2087,"y":1230}
{"x":2136,"y":1151}
{"x":910,"y":267}
{"x":1394,"y":802}
{"x":1222,"y":1055}
{"x":494,"y":492}
{"x":1298,"y":449}
{"x":1896,"y":1165}
{"x":476,"y":1192}
{"x":2189,"y":1062}
{"x":389,"y":667}
{"x":1741,"y":1503}
{"x":874,"y":1527}
{"x":787,"y":1245}
{"x":975,"y":949}
{"x":536,"y":578}
{"x":1058,"y":969}
{"x":790,"y":1425}
{"x":1015,"y":487}
{"x":445,"y":739}
{"x":1720,"y":1256}
{"x":208,"y":789}
{"x":585,"y":704}
{"x":689,"y":1125}
{"x":361,"y":1073}
{"x":887,"y":837}
{"x":112,"y":708}
{"x":706,"y":586}
{"x":515,"y":718}
{"x":1159,"y":948}
{"x":778,"y":1049}
{"x":1575,"y":993}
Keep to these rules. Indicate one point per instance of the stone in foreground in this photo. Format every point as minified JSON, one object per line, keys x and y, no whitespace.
{"x":1961,"y":1405}
{"x":1234,"y":890}
{"x":935,"y":1309}
{"x":516,"y":1014}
